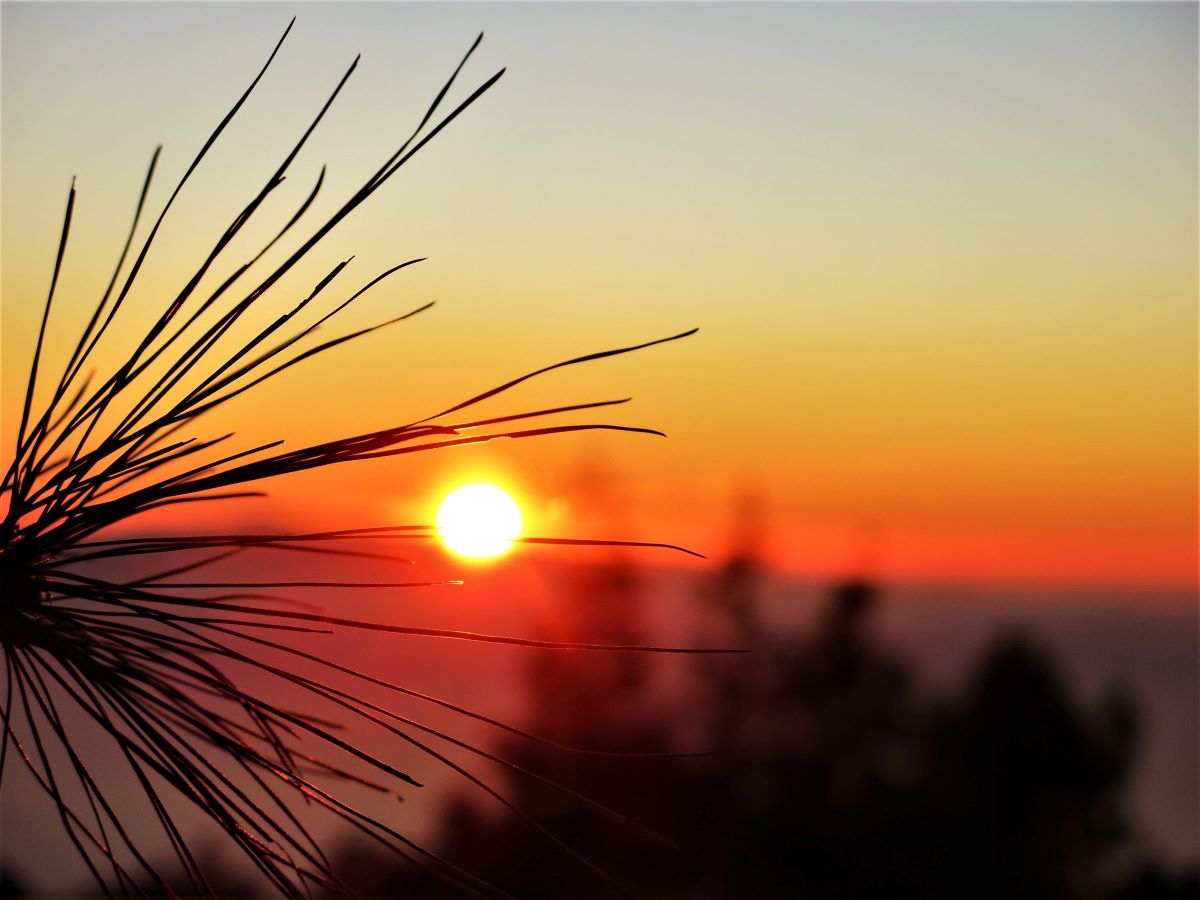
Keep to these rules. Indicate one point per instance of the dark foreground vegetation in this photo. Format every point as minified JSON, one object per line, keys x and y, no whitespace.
{"x":833,"y":774}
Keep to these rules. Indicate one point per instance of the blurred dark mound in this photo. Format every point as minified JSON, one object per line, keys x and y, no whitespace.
{"x":832,"y":776}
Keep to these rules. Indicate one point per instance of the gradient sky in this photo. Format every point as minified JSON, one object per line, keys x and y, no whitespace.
{"x":943,"y":256}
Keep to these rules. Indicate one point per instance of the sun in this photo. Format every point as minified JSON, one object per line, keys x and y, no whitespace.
{"x":479,"y":521}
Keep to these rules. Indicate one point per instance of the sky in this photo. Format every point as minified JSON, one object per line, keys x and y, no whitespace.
{"x":943,"y":258}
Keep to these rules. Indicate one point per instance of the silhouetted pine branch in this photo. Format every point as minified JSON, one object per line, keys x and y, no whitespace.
{"x":146,"y":658}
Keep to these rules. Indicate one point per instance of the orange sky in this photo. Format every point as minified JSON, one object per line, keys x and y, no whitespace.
{"x":943,"y":257}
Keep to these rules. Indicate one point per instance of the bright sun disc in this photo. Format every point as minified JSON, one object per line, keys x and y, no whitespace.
{"x":478,"y":521}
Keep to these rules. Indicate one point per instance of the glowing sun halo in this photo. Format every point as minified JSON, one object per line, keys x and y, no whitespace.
{"x":478,"y":521}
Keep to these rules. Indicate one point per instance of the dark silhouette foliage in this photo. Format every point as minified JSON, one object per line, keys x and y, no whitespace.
{"x":107,"y":627}
{"x":832,"y":774}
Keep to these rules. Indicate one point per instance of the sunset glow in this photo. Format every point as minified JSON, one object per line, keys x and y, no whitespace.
{"x":1013,"y":384}
{"x":456,"y":413}
{"x":479,"y":521}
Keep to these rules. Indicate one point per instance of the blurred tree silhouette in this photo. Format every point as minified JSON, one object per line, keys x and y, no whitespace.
{"x":831,"y":776}
{"x":1026,"y":786}
{"x":596,"y":702}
